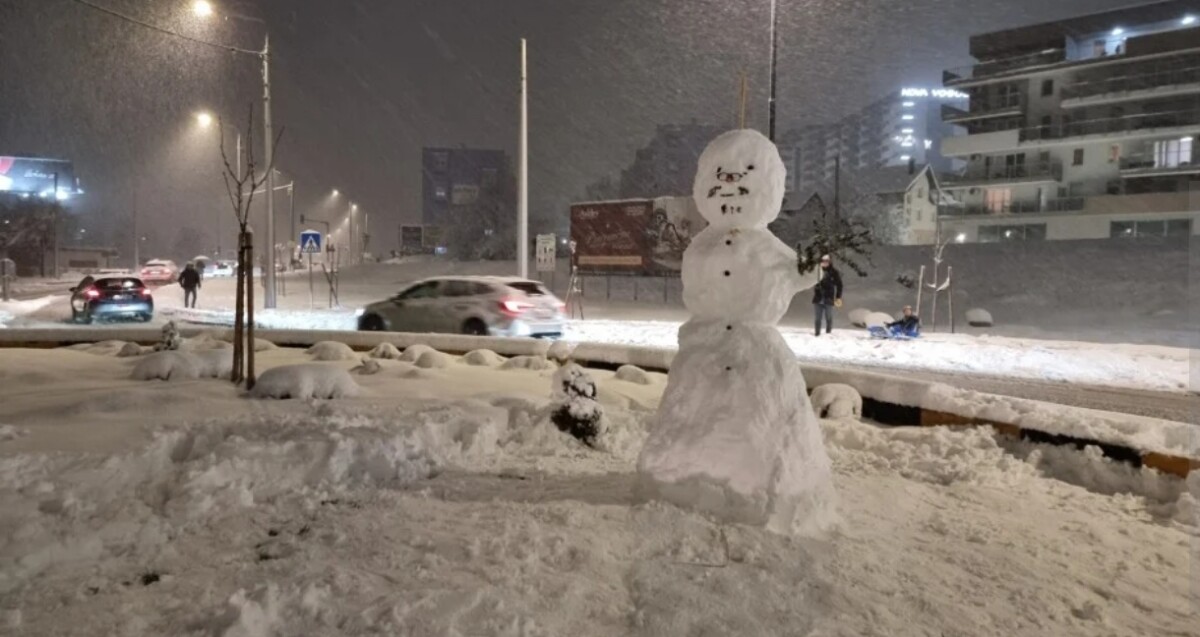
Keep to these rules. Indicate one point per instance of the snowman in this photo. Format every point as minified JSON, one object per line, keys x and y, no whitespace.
{"x":735,"y":435}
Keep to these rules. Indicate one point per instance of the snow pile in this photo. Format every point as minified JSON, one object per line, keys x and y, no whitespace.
{"x":531,"y":363}
{"x":576,"y":411}
{"x":102,"y":348}
{"x":858,"y":317}
{"x":368,"y":367}
{"x":171,"y":339}
{"x":9,"y":432}
{"x":129,"y":350}
{"x":311,"y":380}
{"x":979,"y":317}
{"x":332,"y":351}
{"x":385,"y":351}
{"x":483,"y":358}
{"x":633,"y":374}
{"x":877,"y":319}
{"x":835,"y":400}
{"x":173,"y":365}
{"x":432,"y":359}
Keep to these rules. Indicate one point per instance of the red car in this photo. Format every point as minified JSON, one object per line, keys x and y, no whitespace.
{"x":159,"y":272}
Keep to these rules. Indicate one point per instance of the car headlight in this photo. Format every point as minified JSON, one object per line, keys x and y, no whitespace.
{"x":359,"y":312}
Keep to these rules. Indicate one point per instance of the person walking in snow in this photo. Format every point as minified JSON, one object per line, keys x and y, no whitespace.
{"x":190,"y":280}
{"x":827,"y":294}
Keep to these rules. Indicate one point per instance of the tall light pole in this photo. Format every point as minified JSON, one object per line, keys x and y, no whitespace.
{"x":774,"y":61}
{"x":523,"y":175}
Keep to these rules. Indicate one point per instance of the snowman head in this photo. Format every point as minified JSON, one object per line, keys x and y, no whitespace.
{"x":740,"y":181}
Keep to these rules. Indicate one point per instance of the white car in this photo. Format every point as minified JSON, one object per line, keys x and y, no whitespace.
{"x":219,"y":269}
{"x":480,"y":305}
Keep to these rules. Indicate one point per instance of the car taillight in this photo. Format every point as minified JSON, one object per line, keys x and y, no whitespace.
{"x":514,"y":307}
{"x":92,"y":293}
{"x":562,"y":307}
{"x":146,"y":292}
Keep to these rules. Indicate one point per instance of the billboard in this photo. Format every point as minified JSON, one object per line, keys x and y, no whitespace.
{"x":38,"y":177}
{"x":636,"y":236}
{"x":411,"y":239}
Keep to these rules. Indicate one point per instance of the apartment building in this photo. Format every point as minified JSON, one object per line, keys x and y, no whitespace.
{"x":1079,"y":129}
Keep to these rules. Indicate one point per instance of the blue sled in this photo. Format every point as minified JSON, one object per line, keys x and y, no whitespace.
{"x":894,"y":333}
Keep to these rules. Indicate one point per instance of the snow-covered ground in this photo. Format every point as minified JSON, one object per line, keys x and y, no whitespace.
{"x":1152,"y":367}
{"x":441,"y":500}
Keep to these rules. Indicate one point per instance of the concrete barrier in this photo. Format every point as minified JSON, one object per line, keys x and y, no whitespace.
{"x":1166,"y":446}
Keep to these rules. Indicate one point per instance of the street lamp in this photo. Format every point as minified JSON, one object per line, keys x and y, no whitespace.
{"x":335,"y":192}
{"x":202,"y":8}
{"x":204,"y":119}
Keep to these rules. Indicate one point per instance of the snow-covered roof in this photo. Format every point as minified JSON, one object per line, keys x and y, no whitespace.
{"x":480,"y":279}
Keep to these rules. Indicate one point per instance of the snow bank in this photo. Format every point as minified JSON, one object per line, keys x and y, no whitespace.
{"x":311,"y":380}
{"x":836,"y":400}
{"x":877,"y":319}
{"x":979,"y":317}
{"x":9,"y":432}
{"x":483,"y":358}
{"x":332,"y":351}
{"x":531,"y":363}
{"x":413,"y":352}
{"x":385,"y":351}
{"x":633,"y":374}
{"x":176,"y":365}
{"x":432,"y":360}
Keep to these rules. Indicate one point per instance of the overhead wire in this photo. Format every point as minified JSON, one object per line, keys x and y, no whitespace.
{"x":154,"y":27}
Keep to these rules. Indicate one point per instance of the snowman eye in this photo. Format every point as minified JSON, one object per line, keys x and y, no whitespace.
{"x":750,"y":167}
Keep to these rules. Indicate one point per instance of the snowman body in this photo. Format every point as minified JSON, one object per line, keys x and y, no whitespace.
{"x":735,"y":435}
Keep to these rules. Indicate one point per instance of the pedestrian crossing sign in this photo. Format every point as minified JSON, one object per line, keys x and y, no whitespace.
{"x":310,"y":242}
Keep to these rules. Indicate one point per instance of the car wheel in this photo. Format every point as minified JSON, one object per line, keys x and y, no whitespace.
{"x":475,"y":327}
{"x":145,"y":318}
{"x":87,"y":318}
{"x":371,"y":323}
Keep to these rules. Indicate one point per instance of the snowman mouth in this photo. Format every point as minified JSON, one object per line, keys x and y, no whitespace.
{"x":727,"y":209}
{"x":742,"y":191}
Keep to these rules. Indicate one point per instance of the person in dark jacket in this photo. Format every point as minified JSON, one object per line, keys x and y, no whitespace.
{"x":907,"y":325}
{"x":827,"y":294}
{"x":190,"y":280}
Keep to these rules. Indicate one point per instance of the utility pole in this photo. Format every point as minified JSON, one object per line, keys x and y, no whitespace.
{"x":523,"y":175}
{"x":54,"y":198}
{"x":269,"y":275}
{"x":774,"y":60}
{"x":137,"y":239}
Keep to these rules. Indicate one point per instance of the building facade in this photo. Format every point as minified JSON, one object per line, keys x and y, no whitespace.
{"x":457,"y":177}
{"x":1079,"y":129}
{"x":901,"y":128}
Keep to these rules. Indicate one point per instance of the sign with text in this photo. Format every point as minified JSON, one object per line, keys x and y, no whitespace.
{"x":646,"y":236}
{"x":547,"y":252}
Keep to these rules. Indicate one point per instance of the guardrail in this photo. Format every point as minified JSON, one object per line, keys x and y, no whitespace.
{"x":888,"y":399}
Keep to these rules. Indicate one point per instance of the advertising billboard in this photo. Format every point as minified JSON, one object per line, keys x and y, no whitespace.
{"x":637,"y":236}
{"x":38,"y":177}
{"x":411,"y":239}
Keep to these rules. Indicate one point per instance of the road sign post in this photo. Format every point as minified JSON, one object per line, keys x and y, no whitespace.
{"x":310,"y":244}
{"x":546,"y":255}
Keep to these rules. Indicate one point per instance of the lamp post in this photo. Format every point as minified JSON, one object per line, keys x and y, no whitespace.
{"x":774,"y":60}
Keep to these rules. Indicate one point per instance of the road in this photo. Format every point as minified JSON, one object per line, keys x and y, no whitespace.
{"x":1179,"y":407}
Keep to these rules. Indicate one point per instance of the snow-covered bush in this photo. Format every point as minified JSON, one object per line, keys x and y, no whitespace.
{"x":483,"y":358}
{"x":858,"y":317}
{"x":877,"y":319}
{"x":576,"y":411}
{"x":633,"y":374}
{"x":432,"y":359}
{"x":368,"y":367}
{"x":171,"y":339}
{"x":166,"y":365}
{"x":979,"y":317}
{"x":532,"y":363}
{"x":213,"y":363}
{"x":129,"y":350}
{"x":260,"y":344}
{"x":413,"y":352}
{"x":10,"y":432}
{"x":385,"y":351}
{"x":308,"y":380}
{"x":836,"y":400}
{"x":332,"y":351}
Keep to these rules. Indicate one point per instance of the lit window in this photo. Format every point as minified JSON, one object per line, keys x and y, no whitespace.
{"x":906,"y":117}
{"x":909,"y":104}
{"x":905,"y":157}
{"x":928,"y":144}
{"x":906,"y":131}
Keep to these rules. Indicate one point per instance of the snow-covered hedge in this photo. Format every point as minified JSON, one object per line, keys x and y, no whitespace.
{"x":633,"y":374}
{"x":332,"y":351}
{"x":483,"y":358}
{"x":309,"y":380}
{"x":979,"y":317}
{"x":836,"y":400}
{"x":532,"y":363}
{"x":385,"y":351}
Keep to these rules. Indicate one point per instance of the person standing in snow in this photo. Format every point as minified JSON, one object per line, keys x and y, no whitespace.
{"x":190,"y":280}
{"x":827,"y":294}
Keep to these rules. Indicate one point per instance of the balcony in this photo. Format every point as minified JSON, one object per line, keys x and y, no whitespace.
{"x":1177,"y":161}
{"x":998,"y":68}
{"x":1067,"y":204}
{"x":1154,"y":202}
{"x":981,"y":110}
{"x":1136,"y":125}
{"x":1163,"y":79}
{"x":982,"y":175}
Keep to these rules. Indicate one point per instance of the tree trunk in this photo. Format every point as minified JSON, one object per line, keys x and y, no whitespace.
{"x":239,"y":343}
{"x":250,"y":315}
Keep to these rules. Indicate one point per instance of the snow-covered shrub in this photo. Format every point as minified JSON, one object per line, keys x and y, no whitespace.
{"x":978,"y":317}
{"x":204,"y":341}
{"x":532,"y":363}
{"x":260,"y":344}
{"x":413,"y":352}
{"x":212,"y":363}
{"x":308,"y":380}
{"x":858,"y":317}
{"x":166,"y":365}
{"x":633,"y":374}
{"x":576,"y":411}
{"x":332,"y":351}
{"x":129,"y":349}
{"x":877,"y":319}
{"x":483,"y":358}
{"x":10,"y":432}
{"x":171,"y":339}
{"x":432,"y":359}
{"x":102,"y":348}
{"x":385,"y":351}
{"x":836,"y":400}
{"x":368,"y":367}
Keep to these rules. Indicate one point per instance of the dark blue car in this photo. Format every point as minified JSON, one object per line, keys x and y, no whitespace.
{"x":112,"y":297}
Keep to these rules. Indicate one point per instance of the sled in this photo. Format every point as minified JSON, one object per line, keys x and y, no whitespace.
{"x":893,"y":334}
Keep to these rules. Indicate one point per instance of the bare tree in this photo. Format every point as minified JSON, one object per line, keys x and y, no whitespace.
{"x":241,"y":183}
{"x":937,"y":285}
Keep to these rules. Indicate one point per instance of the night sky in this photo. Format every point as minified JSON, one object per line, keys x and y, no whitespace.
{"x":362,"y":85}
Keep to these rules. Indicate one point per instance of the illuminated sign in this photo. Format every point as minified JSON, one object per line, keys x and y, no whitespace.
{"x":937,"y":93}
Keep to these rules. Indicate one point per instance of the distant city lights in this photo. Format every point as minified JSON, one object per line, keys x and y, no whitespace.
{"x":1118,"y":31}
{"x":939,"y":93}
{"x":961,"y":238}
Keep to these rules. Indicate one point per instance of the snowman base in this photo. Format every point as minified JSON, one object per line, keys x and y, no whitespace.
{"x":735,"y":436}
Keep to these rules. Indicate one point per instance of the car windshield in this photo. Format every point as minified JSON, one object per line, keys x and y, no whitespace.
{"x":529,"y":287}
{"x":118,"y":284}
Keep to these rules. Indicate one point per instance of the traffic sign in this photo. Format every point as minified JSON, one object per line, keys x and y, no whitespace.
{"x":547,"y":252}
{"x":310,"y":242}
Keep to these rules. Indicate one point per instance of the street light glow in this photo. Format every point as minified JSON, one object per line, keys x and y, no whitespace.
{"x":335,"y":192}
{"x":202,"y":8}
{"x":204,"y":119}
{"x":354,"y":206}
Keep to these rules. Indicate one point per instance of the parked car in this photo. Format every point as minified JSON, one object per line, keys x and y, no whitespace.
{"x":497,"y":306}
{"x":111,"y":297}
{"x":219,"y":269}
{"x":160,"y":272}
